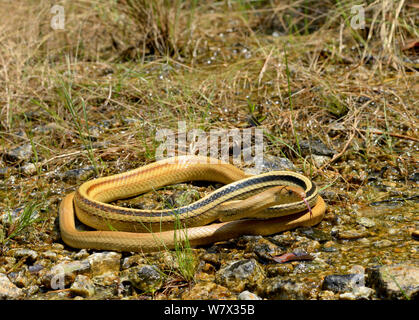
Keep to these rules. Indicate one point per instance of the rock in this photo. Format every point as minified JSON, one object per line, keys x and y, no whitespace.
{"x":76,"y":175}
{"x":343,"y":283}
{"x":366,"y":222}
{"x":351,"y":234}
{"x":104,"y":262}
{"x":82,"y":254}
{"x":320,"y":160}
{"x":315,"y":147}
{"x":398,"y":281}
{"x":147,"y":278}
{"x":28,"y":169}
{"x":8,"y":291}
{"x":279,"y":289}
{"x":315,"y":234}
{"x":246,"y":295}
{"x":240,"y":275}
{"x":207,"y":291}
{"x":271,"y":163}
{"x":64,"y":273}
{"x":28,"y":254}
{"x":22,"y":153}
{"x":358,"y":293}
{"x":382,"y":243}
{"x":83,"y":286}
{"x":4,"y":172}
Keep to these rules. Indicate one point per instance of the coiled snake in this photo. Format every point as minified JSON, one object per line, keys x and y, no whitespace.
{"x":259,"y":205}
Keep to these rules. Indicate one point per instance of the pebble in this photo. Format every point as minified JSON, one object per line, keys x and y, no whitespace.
{"x":351,"y":234}
{"x":358,"y":293}
{"x":271,"y":163}
{"x":366,"y":222}
{"x":29,"y":254}
{"x":28,"y":169}
{"x":382,"y":243}
{"x":315,"y":234}
{"x":8,"y":291}
{"x":279,"y":289}
{"x":83,"y":286}
{"x":146,"y":278}
{"x":206,"y":290}
{"x":343,"y":283}
{"x":315,"y":147}
{"x":77,"y":175}
{"x":320,"y":160}
{"x":397,"y":281}
{"x":22,"y":153}
{"x":240,"y":275}
{"x":64,"y":273}
{"x":104,"y":262}
{"x":4,"y":172}
{"x":247,"y":295}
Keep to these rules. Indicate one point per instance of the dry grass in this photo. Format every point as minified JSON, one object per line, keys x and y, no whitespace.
{"x":138,"y":67}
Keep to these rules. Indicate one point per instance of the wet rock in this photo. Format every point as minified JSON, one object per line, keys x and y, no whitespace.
{"x":246,"y":295}
{"x":64,"y":273}
{"x":240,"y":275}
{"x":399,"y":281}
{"x":83,"y":286}
{"x":382,"y":243}
{"x":358,"y":293}
{"x":104,"y":262}
{"x":279,"y":289}
{"x":343,"y":283}
{"x":366,"y":222}
{"x":8,"y":291}
{"x":351,"y":234}
{"x":315,"y":234}
{"x":77,"y":175}
{"x":22,"y":153}
{"x":146,"y":278}
{"x":316,"y":147}
{"x":207,"y":291}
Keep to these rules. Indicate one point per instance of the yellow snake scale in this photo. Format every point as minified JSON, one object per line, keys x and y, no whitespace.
{"x":255,"y":205}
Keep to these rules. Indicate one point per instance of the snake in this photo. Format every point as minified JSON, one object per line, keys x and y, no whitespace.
{"x":246,"y":204}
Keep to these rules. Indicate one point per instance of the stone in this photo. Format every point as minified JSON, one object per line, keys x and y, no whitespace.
{"x":83,"y":286}
{"x":104,"y":262}
{"x":8,"y":291}
{"x":76,"y":175}
{"x":146,"y":278}
{"x":22,"y":153}
{"x":206,"y":290}
{"x":366,"y":222}
{"x":28,"y":254}
{"x":64,"y":273}
{"x":247,"y":295}
{"x":240,"y":275}
{"x":279,"y":289}
{"x":398,"y":281}
{"x":343,"y":283}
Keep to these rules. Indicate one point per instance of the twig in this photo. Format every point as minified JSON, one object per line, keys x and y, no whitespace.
{"x":397,"y":135}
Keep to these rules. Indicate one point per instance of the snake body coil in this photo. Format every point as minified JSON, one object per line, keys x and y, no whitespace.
{"x":269,"y":203}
